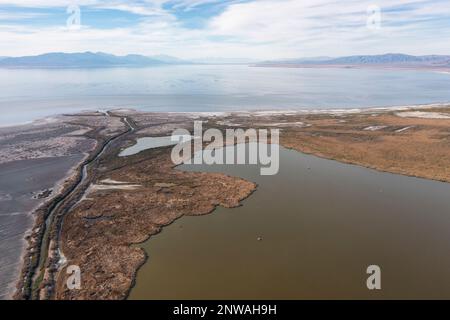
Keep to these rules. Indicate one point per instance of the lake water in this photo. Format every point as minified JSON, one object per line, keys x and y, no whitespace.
{"x":30,"y":94}
{"x":321,"y":224}
{"x":152,"y":143}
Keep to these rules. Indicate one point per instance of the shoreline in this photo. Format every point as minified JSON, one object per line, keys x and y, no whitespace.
{"x":256,"y":116}
{"x":320,"y":156}
{"x":34,"y":232}
{"x":357,"y":66}
{"x":297,"y":111}
{"x":42,"y":268}
{"x":57,"y":188}
{"x":151,"y":282}
{"x":12,"y":286}
{"x":219,"y":185}
{"x":140,"y":244}
{"x":79,"y":135}
{"x":374,"y":168}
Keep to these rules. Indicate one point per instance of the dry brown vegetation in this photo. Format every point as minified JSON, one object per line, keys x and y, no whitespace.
{"x":409,"y":146}
{"x":98,"y":235}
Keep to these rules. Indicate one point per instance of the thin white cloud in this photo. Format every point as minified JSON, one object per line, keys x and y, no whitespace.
{"x":262,"y":29}
{"x":45,"y":3}
{"x":19,"y":16}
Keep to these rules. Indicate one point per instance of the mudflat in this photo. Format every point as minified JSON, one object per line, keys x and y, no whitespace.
{"x":24,"y":185}
{"x":36,"y":162}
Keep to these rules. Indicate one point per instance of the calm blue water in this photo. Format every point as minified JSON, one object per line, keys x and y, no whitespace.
{"x":29,"y":94}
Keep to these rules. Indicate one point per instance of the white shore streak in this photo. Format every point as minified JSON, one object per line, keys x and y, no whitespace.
{"x":404,"y":129}
{"x":375,"y":128}
{"x":424,"y":115}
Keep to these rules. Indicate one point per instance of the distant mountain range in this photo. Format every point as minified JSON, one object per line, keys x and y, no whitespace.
{"x":87,"y":60}
{"x":104,"y":60}
{"x":390,"y":59}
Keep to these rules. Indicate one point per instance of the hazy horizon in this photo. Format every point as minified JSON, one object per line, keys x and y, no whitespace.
{"x":199,"y":58}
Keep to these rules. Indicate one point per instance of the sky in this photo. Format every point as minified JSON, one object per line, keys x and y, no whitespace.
{"x":245,"y":29}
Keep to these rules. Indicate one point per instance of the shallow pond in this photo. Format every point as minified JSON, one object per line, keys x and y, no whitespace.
{"x":151,"y":143}
{"x":308,"y":232}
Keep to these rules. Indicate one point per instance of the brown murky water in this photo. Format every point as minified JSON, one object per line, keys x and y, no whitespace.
{"x":322,"y":223}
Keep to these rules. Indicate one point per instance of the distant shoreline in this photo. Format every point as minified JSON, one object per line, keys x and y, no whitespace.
{"x":355,"y":66}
